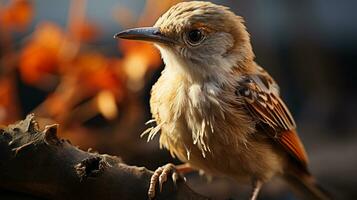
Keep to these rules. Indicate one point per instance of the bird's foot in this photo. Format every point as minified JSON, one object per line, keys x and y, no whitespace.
{"x":162,"y":173}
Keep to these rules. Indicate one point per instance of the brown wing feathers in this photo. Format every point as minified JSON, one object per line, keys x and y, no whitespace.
{"x":291,"y":142}
{"x":264,"y":104}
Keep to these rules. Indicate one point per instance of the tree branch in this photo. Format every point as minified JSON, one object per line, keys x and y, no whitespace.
{"x":37,"y":163}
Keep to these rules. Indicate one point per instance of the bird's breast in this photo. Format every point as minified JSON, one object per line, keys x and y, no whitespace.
{"x":206,"y":126}
{"x":186,"y":113}
{"x":197,"y":116}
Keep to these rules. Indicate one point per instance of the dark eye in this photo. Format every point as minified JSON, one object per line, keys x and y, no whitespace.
{"x":195,"y":36}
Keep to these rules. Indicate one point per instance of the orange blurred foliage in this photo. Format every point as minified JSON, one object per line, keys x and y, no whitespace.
{"x":40,"y":55}
{"x":106,"y":104}
{"x":17,"y":14}
{"x":84,"y":31}
{"x":85,"y":81}
{"x":97,"y":72}
{"x":138,"y":58}
{"x":8,"y":103}
{"x":149,"y":54}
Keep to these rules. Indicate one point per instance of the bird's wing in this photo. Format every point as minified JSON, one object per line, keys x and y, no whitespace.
{"x":262,"y":100}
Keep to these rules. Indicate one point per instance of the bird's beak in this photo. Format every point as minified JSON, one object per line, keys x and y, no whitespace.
{"x":151,"y":34}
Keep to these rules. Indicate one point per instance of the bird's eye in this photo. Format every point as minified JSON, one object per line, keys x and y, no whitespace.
{"x":194,"y":37}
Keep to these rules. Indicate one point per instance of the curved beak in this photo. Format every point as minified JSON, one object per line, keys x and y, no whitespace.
{"x":151,"y":34}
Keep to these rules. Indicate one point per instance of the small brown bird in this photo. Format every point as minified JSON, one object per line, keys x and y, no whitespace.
{"x":217,"y":110}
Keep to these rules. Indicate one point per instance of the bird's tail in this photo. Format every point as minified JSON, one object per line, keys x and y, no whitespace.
{"x":306,"y":187}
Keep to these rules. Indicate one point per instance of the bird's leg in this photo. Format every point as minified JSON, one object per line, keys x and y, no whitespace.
{"x":160,"y":175}
{"x":257,"y":185}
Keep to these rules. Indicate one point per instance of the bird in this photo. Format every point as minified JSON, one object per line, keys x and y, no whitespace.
{"x":215,"y":108}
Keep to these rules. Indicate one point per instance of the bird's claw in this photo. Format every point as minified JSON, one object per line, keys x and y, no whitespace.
{"x":160,"y":175}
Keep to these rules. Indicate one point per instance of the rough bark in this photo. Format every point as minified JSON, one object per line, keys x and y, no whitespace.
{"x":36,"y":163}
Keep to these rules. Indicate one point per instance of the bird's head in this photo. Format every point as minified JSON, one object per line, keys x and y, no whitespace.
{"x":202,"y":39}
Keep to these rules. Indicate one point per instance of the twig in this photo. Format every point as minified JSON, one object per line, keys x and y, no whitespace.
{"x":37,"y":163}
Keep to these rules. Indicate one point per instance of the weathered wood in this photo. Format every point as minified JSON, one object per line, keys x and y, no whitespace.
{"x":37,"y":163}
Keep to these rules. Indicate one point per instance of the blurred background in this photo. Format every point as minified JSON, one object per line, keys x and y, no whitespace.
{"x":59,"y":60}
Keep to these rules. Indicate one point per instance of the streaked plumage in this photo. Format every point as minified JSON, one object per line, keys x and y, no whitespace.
{"x":215,"y":108}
